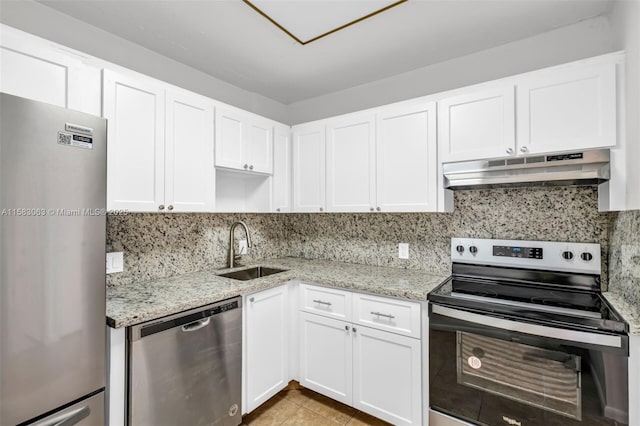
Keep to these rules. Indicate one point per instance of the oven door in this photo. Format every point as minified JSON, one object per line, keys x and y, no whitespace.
{"x":491,"y":370}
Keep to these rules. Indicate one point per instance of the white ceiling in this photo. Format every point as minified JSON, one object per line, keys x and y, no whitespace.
{"x":230,"y":41}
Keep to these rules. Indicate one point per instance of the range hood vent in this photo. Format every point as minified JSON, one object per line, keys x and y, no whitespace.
{"x":571,"y":169}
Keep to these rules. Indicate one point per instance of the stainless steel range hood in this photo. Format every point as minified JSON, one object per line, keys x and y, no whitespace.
{"x":570,"y":169}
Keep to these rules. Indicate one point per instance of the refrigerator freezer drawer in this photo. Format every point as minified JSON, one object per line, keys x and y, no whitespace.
{"x":88,"y":412}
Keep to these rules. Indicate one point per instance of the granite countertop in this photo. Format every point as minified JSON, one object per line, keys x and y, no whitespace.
{"x":133,"y":304}
{"x":630,"y":313}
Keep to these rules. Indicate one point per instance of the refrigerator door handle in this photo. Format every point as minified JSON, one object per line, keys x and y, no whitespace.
{"x":70,"y":419}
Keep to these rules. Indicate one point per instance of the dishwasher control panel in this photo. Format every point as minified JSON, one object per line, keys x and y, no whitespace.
{"x":221,"y":308}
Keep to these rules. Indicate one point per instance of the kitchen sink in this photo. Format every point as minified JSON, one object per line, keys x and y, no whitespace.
{"x":253,"y":272}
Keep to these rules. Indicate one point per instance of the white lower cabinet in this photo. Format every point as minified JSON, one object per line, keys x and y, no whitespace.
{"x":326,"y":356}
{"x":387,"y":375}
{"x":266,"y":345}
{"x":376,"y":371}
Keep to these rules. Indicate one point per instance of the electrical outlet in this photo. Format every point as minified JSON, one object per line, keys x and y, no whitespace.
{"x":242,"y":247}
{"x":115,"y":262}
{"x":403,"y":251}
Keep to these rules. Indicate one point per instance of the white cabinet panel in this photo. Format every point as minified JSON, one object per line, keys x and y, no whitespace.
{"x":135,"y":152}
{"x":326,"y":356}
{"x":477,"y":125}
{"x":309,"y":168}
{"x":394,"y":315}
{"x":351,"y":164}
{"x":266,"y":352}
{"x":259,"y":146}
{"x":229,"y":138}
{"x":243,"y":141}
{"x":281,"y":169}
{"x":189,"y":172}
{"x":406,"y":158}
{"x":387,"y":376}
{"x":325,"y":301}
{"x":567,"y":109}
{"x":46,"y":74}
{"x":38,"y":78}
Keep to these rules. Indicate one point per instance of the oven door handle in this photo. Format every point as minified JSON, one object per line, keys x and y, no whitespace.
{"x":533,"y":329}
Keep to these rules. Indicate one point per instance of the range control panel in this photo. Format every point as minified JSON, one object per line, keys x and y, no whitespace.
{"x":552,"y":255}
{"x":518,"y":251}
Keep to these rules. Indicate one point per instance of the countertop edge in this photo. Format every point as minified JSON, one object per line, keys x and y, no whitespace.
{"x":629,"y":313}
{"x":419,"y":294}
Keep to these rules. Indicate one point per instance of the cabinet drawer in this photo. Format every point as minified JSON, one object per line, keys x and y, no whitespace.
{"x":325,"y":301}
{"x":396,"y":316}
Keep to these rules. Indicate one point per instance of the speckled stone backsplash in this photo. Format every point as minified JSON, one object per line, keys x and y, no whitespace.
{"x":163,"y":245}
{"x":554,"y":214}
{"x":624,"y":256}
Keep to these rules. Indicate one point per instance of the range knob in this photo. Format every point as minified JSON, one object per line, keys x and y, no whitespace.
{"x":586,"y":256}
{"x":567,"y":255}
{"x":473,"y":249}
{"x":460,"y":249}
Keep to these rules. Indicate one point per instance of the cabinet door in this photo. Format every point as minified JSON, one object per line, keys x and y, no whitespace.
{"x":281,"y":180}
{"x":387,"y":376}
{"x":351,"y":164}
{"x":309,"y":168}
{"x":325,"y":356}
{"x":134,"y":107}
{"x":230,"y":138}
{"x":189,"y":169}
{"x":406,"y":158}
{"x":259,"y":145}
{"x":477,"y":125}
{"x":567,"y":109}
{"x":47,"y":74}
{"x":266,"y":351}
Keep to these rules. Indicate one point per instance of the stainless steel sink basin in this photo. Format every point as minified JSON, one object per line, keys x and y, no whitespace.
{"x":251,"y":273}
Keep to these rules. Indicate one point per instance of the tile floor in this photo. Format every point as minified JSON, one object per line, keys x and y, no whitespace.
{"x":299,"y":406}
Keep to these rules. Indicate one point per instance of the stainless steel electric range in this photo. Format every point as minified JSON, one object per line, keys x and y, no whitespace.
{"x":520,"y":335}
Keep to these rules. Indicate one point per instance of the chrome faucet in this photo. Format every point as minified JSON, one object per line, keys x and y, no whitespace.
{"x":232,"y":257}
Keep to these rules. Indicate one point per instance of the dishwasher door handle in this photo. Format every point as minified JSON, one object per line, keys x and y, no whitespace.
{"x":196,"y":325}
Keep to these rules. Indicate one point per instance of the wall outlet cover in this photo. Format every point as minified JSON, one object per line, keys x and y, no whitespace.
{"x":403,"y":250}
{"x":242,"y":247}
{"x":115,"y":262}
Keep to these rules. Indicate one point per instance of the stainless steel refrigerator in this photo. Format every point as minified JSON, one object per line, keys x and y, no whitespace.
{"x":52,"y":265}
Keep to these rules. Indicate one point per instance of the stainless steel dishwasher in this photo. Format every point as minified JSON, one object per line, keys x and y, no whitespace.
{"x":186,"y":369}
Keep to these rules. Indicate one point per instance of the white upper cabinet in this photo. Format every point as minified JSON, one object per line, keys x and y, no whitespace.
{"x":259,"y":145}
{"x":309,"y":167}
{"x":229,"y":138}
{"x":281,"y":181}
{"x":157,"y":162}
{"x":243,"y":141}
{"x":567,"y":109}
{"x":134,"y":107}
{"x":478,"y":124}
{"x":351,"y":163}
{"x":45,"y":74}
{"x":189,"y":170}
{"x":407,"y":158}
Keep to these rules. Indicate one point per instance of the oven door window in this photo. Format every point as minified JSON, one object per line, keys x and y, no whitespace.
{"x":538,"y":377}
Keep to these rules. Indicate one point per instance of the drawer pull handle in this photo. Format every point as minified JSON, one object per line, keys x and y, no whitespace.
{"x":322,"y":302}
{"x":383,"y":315}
